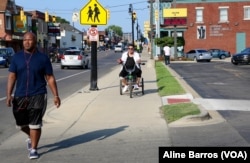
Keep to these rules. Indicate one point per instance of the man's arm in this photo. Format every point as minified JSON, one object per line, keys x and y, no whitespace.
{"x":10,"y":86}
{"x":53,"y":87}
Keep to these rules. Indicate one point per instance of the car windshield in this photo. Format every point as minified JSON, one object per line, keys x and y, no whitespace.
{"x":2,"y":51}
{"x":202,"y":51}
{"x":246,"y":50}
{"x":60,"y":51}
{"x":72,"y":52}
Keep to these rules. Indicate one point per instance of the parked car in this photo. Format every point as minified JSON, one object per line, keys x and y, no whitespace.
{"x":73,"y":47}
{"x":75,"y":58}
{"x":243,"y":57}
{"x":6,"y":55}
{"x":59,"y":54}
{"x":118,"y":48}
{"x":219,"y":53}
{"x":199,"y":55}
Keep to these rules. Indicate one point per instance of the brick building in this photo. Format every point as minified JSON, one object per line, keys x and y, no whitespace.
{"x":223,"y":24}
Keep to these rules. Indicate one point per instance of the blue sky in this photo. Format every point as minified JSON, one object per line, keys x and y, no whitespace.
{"x":119,"y":15}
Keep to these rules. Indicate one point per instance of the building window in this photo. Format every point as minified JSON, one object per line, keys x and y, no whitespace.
{"x":199,"y":15}
{"x":73,"y":38}
{"x":246,"y":12}
{"x":7,"y":21}
{"x":223,"y":14}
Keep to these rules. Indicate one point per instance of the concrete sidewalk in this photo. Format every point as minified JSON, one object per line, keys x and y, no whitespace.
{"x":100,"y":126}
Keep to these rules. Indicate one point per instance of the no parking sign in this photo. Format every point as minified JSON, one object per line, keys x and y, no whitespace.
{"x":93,"y":34}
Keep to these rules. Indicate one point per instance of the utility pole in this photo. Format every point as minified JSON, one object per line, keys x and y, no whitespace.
{"x":130,"y":10}
{"x":151,"y":29}
{"x":175,"y":38}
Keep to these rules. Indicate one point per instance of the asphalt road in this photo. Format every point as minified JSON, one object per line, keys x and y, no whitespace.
{"x":223,"y":87}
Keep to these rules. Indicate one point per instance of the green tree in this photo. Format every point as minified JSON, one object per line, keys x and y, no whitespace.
{"x":161,"y":42}
{"x":116,"y":29}
{"x":62,"y":20}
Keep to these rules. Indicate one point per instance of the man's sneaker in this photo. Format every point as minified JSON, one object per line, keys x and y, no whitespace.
{"x":136,"y":87}
{"x":33,"y":154}
{"x":28,"y":141}
{"x":125,"y":88}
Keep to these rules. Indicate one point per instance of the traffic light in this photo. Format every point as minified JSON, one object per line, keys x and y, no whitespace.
{"x":46,"y":17}
{"x":134,"y":16}
{"x":21,"y":14}
{"x":108,"y":14}
{"x":54,"y":19}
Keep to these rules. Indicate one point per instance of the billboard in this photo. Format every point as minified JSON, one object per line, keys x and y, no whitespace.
{"x":20,"y":26}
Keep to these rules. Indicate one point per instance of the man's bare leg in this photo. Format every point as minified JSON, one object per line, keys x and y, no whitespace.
{"x":26,"y":130}
{"x":35,"y":135}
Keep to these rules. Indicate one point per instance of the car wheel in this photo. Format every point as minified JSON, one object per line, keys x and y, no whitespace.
{"x":195,"y":59}
{"x":62,"y":67}
{"x":222,"y":57}
{"x":233,"y":62}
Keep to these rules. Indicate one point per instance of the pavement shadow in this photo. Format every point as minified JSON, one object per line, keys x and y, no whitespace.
{"x":80,"y":139}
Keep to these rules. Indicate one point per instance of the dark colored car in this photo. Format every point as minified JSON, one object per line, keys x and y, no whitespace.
{"x":59,"y":54}
{"x":219,"y":53}
{"x":243,"y":57}
{"x":6,"y":55}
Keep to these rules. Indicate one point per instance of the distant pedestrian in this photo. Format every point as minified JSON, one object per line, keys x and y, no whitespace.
{"x":30,"y":72}
{"x":166,"y":50}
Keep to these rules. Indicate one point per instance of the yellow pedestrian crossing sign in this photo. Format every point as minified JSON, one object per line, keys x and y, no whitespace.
{"x":93,"y":14}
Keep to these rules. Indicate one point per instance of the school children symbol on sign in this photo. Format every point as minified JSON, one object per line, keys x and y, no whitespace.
{"x":93,"y":14}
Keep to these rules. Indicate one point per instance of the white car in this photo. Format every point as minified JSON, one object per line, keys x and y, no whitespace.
{"x":199,"y":55}
{"x":75,"y":58}
{"x":118,"y":48}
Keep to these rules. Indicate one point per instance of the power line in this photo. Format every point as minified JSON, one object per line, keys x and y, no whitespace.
{"x":67,"y":11}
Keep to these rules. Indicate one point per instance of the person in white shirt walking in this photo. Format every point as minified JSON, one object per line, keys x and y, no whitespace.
{"x":166,"y":50}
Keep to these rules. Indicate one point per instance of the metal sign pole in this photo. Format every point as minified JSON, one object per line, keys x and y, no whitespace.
{"x":93,"y":76}
{"x":93,"y":14}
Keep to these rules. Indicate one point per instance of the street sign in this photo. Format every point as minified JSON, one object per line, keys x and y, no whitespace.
{"x":93,"y":14}
{"x":54,"y":29}
{"x":174,"y":12}
{"x":75,"y":17}
{"x":93,"y":34}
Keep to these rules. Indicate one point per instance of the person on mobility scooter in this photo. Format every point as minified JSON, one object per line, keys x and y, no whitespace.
{"x":130,"y":60}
